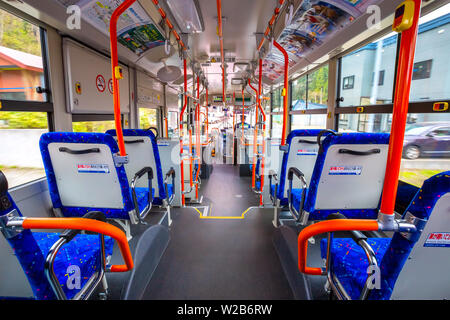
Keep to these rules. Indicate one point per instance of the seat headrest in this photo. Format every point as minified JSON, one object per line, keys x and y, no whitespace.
{"x":355,"y":138}
{"x":432,"y":190}
{"x":133,"y":133}
{"x":3,"y":184}
{"x":78,"y":137}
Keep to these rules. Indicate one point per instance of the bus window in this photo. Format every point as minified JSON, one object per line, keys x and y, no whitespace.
{"x":318,"y":88}
{"x":367,"y":74}
{"x":22,"y":73}
{"x":431,"y":68}
{"x":19,"y":134}
{"x":148,"y":118}
{"x":93,"y":126}
{"x":21,"y":63}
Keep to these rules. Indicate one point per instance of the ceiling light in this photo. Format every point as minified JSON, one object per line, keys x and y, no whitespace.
{"x":187,"y":14}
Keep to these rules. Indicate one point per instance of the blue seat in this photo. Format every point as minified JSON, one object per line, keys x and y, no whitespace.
{"x":83,"y":175}
{"x":302,"y":153}
{"x":31,"y":249}
{"x":347,"y":178}
{"x":145,"y":153}
{"x":349,"y":261}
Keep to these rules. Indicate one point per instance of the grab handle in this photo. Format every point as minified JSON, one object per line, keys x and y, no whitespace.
{"x":324,"y":227}
{"x":87,"y":225}
{"x":134,"y":141}
{"x":85,"y":151}
{"x":307,"y":141}
{"x":359,"y":153}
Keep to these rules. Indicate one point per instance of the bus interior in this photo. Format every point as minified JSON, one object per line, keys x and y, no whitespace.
{"x":224,"y":150}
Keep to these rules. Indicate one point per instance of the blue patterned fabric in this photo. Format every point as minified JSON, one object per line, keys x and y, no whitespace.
{"x":155,"y":151}
{"x":344,"y":138}
{"x":83,"y":251}
{"x":31,"y":250}
{"x":97,"y":138}
{"x":349,"y":260}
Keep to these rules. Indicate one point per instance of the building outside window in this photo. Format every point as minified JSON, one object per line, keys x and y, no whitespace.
{"x":348,"y":83}
{"x":21,"y":72}
{"x":422,"y":70}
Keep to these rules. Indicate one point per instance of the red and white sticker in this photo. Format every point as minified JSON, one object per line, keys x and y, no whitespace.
{"x":93,"y":168}
{"x":345,"y":170}
{"x":438,"y":239}
{"x":110,"y":86}
{"x":100,"y":83}
{"x":307,"y":152}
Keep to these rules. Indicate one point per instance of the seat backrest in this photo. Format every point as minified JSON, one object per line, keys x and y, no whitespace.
{"x":82,"y":174}
{"x":142,"y":150}
{"x":30,"y":257}
{"x":348,"y":176}
{"x":302,"y":149}
{"x":417,"y":268}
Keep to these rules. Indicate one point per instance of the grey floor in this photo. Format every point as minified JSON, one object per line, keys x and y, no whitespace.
{"x":221,"y":259}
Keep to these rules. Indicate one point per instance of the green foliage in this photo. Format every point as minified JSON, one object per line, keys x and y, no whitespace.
{"x":23,"y":120}
{"x":18,"y":34}
{"x":147,"y":118}
{"x":318,"y":86}
{"x":93,"y":126}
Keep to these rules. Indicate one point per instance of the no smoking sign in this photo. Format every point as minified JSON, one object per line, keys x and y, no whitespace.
{"x":100,"y":83}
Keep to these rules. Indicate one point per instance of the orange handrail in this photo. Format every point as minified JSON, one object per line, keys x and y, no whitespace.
{"x":183,"y":198}
{"x":255,"y":139}
{"x":285,"y":92}
{"x":220,"y":33}
{"x":401,"y":102}
{"x":87,"y":225}
{"x":400,"y":113}
{"x":197,"y":136}
{"x":276,"y":12}
{"x":264,"y":132}
{"x":324,"y":227}
{"x":115,"y":66}
{"x":169,"y":24}
{"x":166,"y":123}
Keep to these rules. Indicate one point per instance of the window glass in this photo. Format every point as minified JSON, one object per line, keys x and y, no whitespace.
{"x":430,"y":80}
{"x":318,"y":88}
{"x":173,"y":123}
{"x":380,"y":122}
{"x":93,"y":126}
{"x":309,"y":121}
{"x":348,"y":83}
{"x":148,"y":118}
{"x":367,"y":74}
{"x":277,"y":126}
{"x":299,"y":94}
{"x":277,"y":100}
{"x":19,"y":135}
{"x":426,"y":148}
{"x":21,"y":64}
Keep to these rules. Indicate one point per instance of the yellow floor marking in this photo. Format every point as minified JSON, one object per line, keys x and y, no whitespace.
{"x":222,"y":217}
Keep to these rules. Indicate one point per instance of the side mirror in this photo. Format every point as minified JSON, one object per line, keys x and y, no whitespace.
{"x":431,"y":134}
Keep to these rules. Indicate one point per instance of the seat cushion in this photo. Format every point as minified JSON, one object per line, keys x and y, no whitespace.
{"x":296,"y":198}
{"x":142,"y":197}
{"x":83,"y":251}
{"x":283,"y":201}
{"x":349,"y":262}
